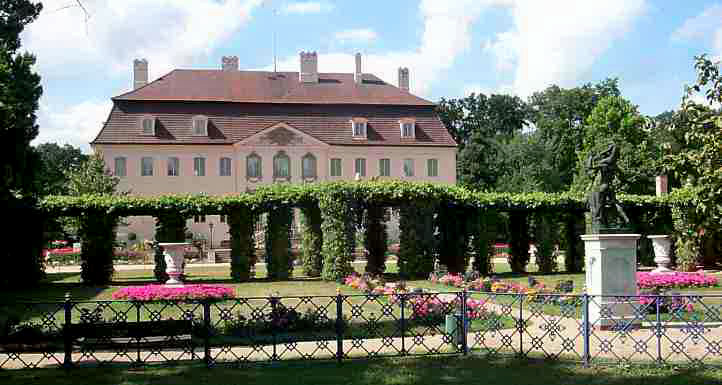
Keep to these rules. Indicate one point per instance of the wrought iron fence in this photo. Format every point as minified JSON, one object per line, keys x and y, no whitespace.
{"x":585,"y":328}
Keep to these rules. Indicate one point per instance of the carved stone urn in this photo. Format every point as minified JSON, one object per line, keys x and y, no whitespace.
{"x":662,"y":245}
{"x":173,"y":254}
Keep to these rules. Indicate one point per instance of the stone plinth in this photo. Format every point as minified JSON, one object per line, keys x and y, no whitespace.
{"x":611,"y":274}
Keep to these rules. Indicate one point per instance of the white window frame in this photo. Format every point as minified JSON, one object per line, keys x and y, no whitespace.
{"x":362,"y":124}
{"x":412,"y":132}
{"x":411,"y":172}
{"x":176,"y":168}
{"x":220,"y":166}
{"x":356,"y":168}
{"x":385,"y":165}
{"x":196,"y":169}
{"x":125,"y":166}
{"x":142,"y":166}
{"x":142,"y":121}
{"x":204,"y":122}
{"x":259,"y":168}
{"x":435,"y":162}
{"x":340,"y":167}
{"x":312,"y":158}
{"x":276,"y":174}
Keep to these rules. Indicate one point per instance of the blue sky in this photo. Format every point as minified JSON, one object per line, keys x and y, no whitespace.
{"x":451,"y":47}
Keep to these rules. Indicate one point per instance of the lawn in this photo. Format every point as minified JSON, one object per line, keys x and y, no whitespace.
{"x":399,"y":371}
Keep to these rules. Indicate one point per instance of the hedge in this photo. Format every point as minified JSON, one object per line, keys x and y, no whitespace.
{"x":336,"y":208}
{"x":241,"y":228}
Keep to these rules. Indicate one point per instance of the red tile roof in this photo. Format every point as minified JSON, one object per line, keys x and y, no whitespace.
{"x":231,"y":122}
{"x":271,"y":87}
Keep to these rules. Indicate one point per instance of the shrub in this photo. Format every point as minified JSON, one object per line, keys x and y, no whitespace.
{"x":278,"y":243}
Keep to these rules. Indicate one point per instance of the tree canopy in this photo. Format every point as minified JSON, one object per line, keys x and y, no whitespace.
{"x":55,"y":161}
{"x":20,"y":91}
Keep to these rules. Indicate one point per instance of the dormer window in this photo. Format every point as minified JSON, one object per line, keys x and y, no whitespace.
{"x":200,"y":126}
{"x":358,"y":128}
{"x":408,"y":128}
{"x":147,"y":125}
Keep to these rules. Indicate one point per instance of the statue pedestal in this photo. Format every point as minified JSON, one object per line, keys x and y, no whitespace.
{"x":611,"y":279}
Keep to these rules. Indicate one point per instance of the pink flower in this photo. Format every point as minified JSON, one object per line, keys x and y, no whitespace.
{"x":161,"y":292}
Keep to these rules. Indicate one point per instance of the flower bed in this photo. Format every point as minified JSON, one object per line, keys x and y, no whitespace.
{"x":674,"y":280}
{"x":161,"y":292}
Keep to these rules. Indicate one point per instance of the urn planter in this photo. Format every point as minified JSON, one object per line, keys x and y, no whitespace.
{"x":173,"y":254}
{"x":662,"y":244}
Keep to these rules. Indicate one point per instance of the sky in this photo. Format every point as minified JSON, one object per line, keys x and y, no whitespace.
{"x":452,"y":48}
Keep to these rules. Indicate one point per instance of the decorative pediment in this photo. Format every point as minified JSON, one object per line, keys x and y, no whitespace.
{"x":281,"y":134}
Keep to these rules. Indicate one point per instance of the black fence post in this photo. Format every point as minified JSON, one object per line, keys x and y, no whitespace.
{"x":207,"y":333}
{"x":585,"y":328}
{"x":67,"y":336}
{"x":274,"y":325}
{"x":464,"y":322}
{"x":402,"y":301}
{"x":520,"y":325}
{"x":339,"y":326}
{"x":138,"y":361}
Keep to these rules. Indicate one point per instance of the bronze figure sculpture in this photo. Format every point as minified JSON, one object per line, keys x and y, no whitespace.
{"x":602,"y":200}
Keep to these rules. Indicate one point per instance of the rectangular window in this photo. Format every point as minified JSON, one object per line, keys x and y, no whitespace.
{"x":253,"y":166}
{"x":173,"y":166}
{"x":199,"y":127}
{"x":199,"y":166}
{"x":407,"y":130}
{"x":120,"y":165}
{"x":223,"y":218}
{"x":432,"y":167}
{"x":146,"y":166}
{"x":359,"y":129}
{"x":360,"y":168}
{"x":335,"y":167}
{"x":225,"y":167}
{"x":308,"y":164}
{"x":384,"y":167}
{"x":408,"y":167}
{"x":199,"y":219}
{"x":148,"y":126}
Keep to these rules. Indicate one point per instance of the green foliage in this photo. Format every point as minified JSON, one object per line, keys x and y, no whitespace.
{"x":55,"y":161}
{"x":519,"y":241}
{"x":92,"y":177}
{"x":699,"y":161}
{"x":311,"y":241}
{"x":98,"y":235}
{"x":484,"y":227}
{"x":574,"y":224}
{"x":338,"y":231}
{"x":616,"y":120}
{"x":416,"y":240}
{"x":278,"y":243}
{"x":558,"y":115}
{"x":20,"y":91}
{"x":169,"y":228}
{"x":241,"y":223}
{"x":481,"y":125}
{"x":375,"y":240}
{"x":546,"y":234}
{"x":22,"y":254}
{"x":452,"y":239}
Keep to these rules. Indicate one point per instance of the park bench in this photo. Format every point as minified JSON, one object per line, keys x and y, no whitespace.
{"x":123,"y":335}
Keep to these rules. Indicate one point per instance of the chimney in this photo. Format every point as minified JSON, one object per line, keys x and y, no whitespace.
{"x":229,"y":63}
{"x":358,"y":75}
{"x":404,"y":78}
{"x":140,"y":73}
{"x":309,"y":67}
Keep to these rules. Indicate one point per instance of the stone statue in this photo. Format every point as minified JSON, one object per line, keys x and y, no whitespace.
{"x":602,"y":200}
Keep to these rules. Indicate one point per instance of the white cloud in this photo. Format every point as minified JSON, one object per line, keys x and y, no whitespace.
{"x":556,"y":42}
{"x":168,"y":33}
{"x":76,"y":125}
{"x":705,"y":26}
{"x":306,"y":7}
{"x":446,"y":35}
{"x":360,"y":35}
